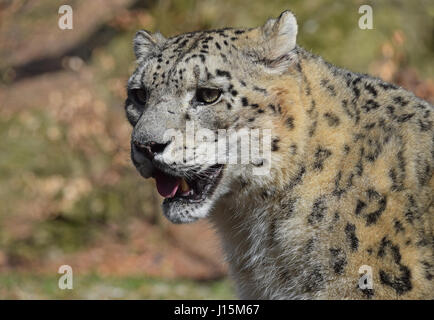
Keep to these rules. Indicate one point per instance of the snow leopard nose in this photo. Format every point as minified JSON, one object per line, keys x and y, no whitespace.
{"x":149,"y":149}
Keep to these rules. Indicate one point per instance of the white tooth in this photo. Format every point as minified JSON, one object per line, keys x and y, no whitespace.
{"x":184,"y":186}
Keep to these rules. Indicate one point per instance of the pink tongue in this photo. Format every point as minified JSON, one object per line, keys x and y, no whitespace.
{"x":166,"y":185}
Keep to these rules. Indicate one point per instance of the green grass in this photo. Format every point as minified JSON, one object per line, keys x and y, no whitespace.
{"x":27,"y":286}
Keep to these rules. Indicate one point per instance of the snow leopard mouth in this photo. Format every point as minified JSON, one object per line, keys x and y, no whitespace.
{"x":193,"y":189}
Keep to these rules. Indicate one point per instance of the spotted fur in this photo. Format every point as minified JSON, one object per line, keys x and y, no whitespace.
{"x":351,"y":180}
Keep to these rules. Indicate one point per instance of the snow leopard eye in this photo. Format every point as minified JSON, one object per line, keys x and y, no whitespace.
{"x":207,"y":95}
{"x":139,"y":96}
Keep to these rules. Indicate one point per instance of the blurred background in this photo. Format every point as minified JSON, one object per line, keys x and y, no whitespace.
{"x":68,"y":191}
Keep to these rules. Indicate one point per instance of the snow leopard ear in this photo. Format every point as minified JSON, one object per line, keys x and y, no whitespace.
{"x":279,"y":39}
{"x":146,"y":43}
